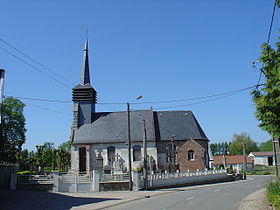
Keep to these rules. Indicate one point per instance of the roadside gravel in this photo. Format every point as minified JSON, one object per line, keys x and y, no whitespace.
{"x":255,"y":201}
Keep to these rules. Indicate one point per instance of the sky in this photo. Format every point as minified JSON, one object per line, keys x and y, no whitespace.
{"x":161,"y":49}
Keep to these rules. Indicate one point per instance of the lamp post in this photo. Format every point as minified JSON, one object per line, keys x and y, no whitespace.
{"x":129,"y":144}
{"x":145,"y":157}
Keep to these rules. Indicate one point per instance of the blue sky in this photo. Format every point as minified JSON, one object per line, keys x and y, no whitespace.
{"x":161,"y":49}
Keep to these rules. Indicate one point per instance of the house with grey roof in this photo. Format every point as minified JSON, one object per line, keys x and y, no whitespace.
{"x":100,"y":139}
{"x":263,"y":158}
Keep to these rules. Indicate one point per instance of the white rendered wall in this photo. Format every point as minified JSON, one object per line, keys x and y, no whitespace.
{"x":122,"y":151}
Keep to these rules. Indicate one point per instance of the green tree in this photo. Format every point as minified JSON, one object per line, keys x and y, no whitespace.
{"x":23,"y":160}
{"x":236,"y":146}
{"x":266,"y":146}
{"x":47,"y":158}
{"x":267,"y":99}
{"x":214,"y":148}
{"x":64,"y":155}
{"x":13,"y":128}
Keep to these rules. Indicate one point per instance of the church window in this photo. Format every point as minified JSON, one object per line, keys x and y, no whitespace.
{"x":168,"y":153}
{"x":190,"y":155}
{"x":111,"y":154}
{"x":136,"y":152}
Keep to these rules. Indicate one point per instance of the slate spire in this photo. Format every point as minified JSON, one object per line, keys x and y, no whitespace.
{"x":85,"y":79}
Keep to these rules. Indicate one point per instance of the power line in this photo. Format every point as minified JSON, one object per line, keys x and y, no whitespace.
{"x":151,"y":102}
{"x":50,"y":110}
{"x":268,"y":38}
{"x":40,"y":99}
{"x":271,"y":22}
{"x":35,"y":68}
{"x":200,"y":102}
{"x":35,"y":61}
{"x":197,"y":98}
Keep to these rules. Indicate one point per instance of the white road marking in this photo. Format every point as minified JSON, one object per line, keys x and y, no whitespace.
{"x":217,"y":190}
{"x":189,"y":198}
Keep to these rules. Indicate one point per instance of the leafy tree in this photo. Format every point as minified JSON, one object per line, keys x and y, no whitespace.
{"x":266,"y":146}
{"x":236,"y":146}
{"x":267,"y":100}
{"x":214,"y":148}
{"x":66,"y":146}
{"x":219,"y":148}
{"x":64,"y":155}
{"x":47,"y":158}
{"x":32,"y":160}
{"x":13,"y":128}
{"x":23,"y":160}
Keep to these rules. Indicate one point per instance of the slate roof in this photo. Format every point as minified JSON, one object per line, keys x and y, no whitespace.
{"x":231,"y":159}
{"x":183,"y":124}
{"x":111,"y":127}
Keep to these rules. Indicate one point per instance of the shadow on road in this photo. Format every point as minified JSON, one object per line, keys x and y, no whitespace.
{"x":43,"y":200}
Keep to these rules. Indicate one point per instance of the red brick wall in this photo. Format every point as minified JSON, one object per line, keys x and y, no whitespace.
{"x":191,"y":165}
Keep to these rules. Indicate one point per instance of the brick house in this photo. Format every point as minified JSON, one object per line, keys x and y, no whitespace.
{"x":99,"y":139}
{"x":191,"y":156}
{"x":234,"y":161}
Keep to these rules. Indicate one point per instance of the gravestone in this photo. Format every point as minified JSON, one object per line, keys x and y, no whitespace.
{"x":118,"y":165}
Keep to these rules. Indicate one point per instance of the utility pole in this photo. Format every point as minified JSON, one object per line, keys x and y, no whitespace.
{"x":244,"y":161}
{"x":129,"y":144}
{"x":145,"y":157}
{"x":173,"y":155}
{"x":129,"y":147}
{"x":2,"y":74}
{"x":274,"y":144}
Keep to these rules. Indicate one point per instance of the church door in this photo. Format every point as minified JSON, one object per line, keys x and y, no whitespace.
{"x":82,"y":159}
{"x":111,"y":155}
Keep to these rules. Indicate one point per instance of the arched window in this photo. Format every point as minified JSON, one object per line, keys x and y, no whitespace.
{"x":190,"y":155}
{"x":136,"y":152}
{"x":111,"y":154}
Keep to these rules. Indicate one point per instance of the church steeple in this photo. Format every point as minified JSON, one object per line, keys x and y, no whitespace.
{"x":85,"y":79}
{"x":84,"y":95}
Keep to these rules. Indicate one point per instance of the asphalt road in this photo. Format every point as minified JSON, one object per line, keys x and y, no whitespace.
{"x":225,"y":196}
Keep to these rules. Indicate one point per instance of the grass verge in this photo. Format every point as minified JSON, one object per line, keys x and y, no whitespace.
{"x":273,"y":192}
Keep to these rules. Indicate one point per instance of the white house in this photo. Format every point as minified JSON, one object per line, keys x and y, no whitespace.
{"x":263,"y":158}
{"x":234,"y":161}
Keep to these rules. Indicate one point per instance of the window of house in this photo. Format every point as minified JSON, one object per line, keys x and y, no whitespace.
{"x":136,"y":152}
{"x":190,"y":155}
{"x":111,"y":154}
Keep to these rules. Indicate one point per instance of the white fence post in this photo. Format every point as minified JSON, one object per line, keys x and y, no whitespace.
{"x":136,"y":180}
{"x":55,"y":181}
{"x":76,"y":174}
{"x":95,"y":181}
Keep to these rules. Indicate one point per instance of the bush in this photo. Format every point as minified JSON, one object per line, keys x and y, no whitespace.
{"x":273,"y":193}
{"x":23,"y":173}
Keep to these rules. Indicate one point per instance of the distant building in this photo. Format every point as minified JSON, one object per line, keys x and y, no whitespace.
{"x":263,"y":158}
{"x":99,"y":139}
{"x":232,"y":161}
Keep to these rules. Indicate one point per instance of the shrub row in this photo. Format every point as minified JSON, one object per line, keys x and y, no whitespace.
{"x":273,"y":193}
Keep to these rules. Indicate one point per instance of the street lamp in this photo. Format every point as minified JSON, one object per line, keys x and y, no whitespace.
{"x":129,"y":143}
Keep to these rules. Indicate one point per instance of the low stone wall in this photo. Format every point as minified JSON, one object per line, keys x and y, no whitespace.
{"x":5,"y":174}
{"x":188,"y":181}
{"x":182,"y":179}
{"x":35,"y":187}
{"x":114,"y":186}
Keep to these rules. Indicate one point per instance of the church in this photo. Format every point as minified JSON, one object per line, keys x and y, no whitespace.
{"x":100,"y":139}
